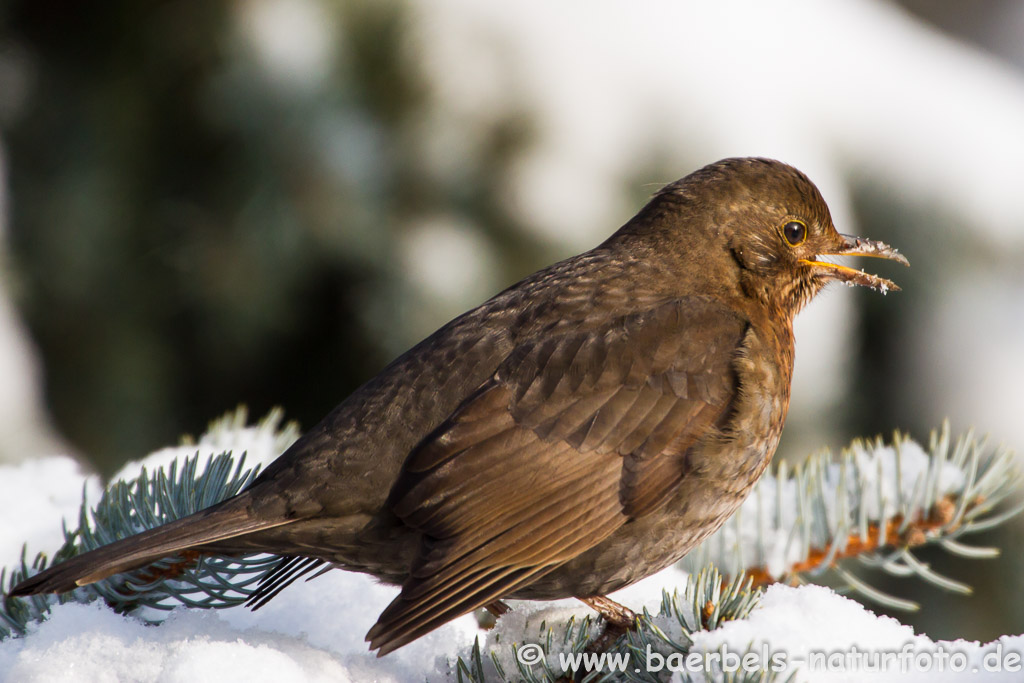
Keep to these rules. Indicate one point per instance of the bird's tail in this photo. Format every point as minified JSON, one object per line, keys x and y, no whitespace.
{"x":227,"y":520}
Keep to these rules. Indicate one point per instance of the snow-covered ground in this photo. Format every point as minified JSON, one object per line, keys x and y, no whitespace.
{"x":314,"y":632}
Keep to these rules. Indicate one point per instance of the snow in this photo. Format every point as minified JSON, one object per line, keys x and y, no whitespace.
{"x":37,"y":494}
{"x":913,"y":466}
{"x":813,"y":620}
{"x":261,"y":444}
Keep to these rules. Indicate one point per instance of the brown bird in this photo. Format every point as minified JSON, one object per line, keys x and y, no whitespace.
{"x":579,"y":431}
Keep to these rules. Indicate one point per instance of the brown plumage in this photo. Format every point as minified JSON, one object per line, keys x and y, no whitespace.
{"x":577,"y":432}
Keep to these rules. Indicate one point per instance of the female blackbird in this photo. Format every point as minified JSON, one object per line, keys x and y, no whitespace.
{"x":579,"y":431}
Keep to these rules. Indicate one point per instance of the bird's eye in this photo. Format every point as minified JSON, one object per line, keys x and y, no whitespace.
{"x":795,"y":232}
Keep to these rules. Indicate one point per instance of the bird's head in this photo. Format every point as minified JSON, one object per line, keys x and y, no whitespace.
{"x":775,"y":226}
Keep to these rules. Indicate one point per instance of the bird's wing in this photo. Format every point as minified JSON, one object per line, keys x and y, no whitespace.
{"x":573,"y":435}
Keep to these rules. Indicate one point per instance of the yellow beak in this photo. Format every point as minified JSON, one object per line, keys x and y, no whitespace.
{"x":856,"y":246}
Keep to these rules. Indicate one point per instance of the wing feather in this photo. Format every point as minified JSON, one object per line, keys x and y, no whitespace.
{"x":574,"y":435}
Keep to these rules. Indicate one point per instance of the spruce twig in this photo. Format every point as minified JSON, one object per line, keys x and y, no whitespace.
{"x":873,"y":503}
{"x":147,"y":501}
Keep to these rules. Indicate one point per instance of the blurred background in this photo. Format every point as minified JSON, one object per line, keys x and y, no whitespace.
{"x":264,"y":201}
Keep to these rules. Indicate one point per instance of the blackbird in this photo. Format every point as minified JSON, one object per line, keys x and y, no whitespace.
{"x":579,"y":431}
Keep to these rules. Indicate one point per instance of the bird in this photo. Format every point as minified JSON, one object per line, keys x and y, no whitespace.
{"x":582,"y":429}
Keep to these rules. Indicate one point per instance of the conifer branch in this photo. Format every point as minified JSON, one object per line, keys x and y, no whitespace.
{"x":873,"y":503}
{"x":150,"y":500}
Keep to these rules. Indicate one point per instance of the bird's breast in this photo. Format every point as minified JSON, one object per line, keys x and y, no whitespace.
{"x":764,"y":370}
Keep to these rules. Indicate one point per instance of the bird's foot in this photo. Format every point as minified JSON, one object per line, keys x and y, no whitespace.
{"x":488,"y":619}
{"x":617,"y":620}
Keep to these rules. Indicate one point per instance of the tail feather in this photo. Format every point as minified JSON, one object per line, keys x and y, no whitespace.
{"x":202,"y":528}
